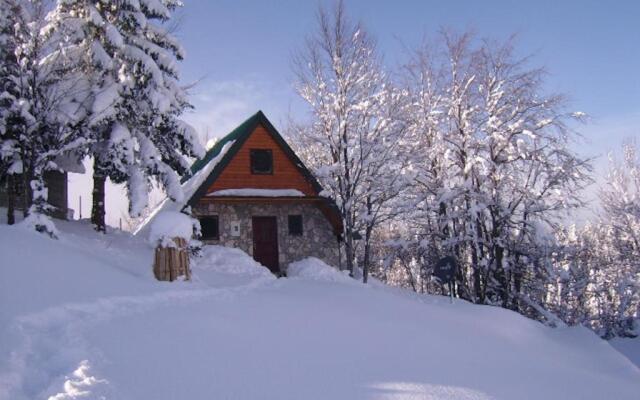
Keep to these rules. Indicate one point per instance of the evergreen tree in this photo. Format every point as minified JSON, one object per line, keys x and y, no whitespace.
{"x":10,"y":163}
{"x":44,"y":96}
{"x":132,"y":115}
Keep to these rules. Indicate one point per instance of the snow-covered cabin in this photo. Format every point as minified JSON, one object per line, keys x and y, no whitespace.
{"x":252,"y":192}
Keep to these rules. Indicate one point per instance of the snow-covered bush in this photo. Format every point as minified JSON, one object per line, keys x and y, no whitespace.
{"x":168,"y":225}
{"x":230,"y":261}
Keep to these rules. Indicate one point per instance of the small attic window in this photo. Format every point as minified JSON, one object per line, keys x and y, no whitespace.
{"x":261,"y":161}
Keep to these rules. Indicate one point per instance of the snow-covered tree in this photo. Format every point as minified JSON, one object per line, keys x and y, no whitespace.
{"x":44,"y":94}
{"x":87,"y":29}
{"x":620,"y":199}
{"x":10,"y":164}
{"x":597,"y":272}
{"x":494,"y":168}
{"x":354,"y":137}
{"x":130,"y":61}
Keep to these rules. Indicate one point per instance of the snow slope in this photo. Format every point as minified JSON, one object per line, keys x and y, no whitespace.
{"x":82,"y":318}
{"x":630,"y":347}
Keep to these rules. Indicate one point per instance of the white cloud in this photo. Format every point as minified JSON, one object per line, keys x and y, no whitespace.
{"x":221,"y":106}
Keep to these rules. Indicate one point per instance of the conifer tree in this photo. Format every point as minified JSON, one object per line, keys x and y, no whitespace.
{"x":43,"y":100}
{"x":132,"y":115}
{"x":10,"y":164}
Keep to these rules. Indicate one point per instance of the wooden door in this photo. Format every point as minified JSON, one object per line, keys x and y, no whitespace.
{"x":265,"y":242}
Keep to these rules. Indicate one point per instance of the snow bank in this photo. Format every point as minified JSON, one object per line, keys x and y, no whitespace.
{"x":229,"y":260}
{"x":315,"y":269}
{"x":250,"y":192}
{"x":84,"y":314}
{"x":169,"y":225}
{"x":629,"y":347}
{"x":41,"y":223}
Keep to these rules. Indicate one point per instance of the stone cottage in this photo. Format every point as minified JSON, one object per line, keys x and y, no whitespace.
{"x":252,"y":192}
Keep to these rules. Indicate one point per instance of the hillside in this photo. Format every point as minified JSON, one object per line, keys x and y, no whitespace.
{"x":82,"y":317}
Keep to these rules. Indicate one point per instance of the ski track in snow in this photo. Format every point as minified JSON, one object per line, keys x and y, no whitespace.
{"x":38,"y":368}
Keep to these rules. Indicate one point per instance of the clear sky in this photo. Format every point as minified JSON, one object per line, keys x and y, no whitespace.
{"x":239,"y":52}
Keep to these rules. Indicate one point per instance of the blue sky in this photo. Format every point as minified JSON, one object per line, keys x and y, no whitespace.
{"x":239,"y":52}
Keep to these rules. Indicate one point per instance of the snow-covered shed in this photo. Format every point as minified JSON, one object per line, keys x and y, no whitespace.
{"x":252,"y":192}
{"x":57,"y":185}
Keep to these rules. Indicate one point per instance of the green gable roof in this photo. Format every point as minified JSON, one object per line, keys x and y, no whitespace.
{"x":238,"y":136}
{"x":244,"y":129}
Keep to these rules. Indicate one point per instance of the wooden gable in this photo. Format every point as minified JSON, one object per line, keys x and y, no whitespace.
{"x":232,"y":170}
{"x":286,"y":175}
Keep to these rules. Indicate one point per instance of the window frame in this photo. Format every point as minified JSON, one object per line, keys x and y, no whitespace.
{"x":217,"y":220}
{"x":301,"y":225}
{"x":251,"y":165}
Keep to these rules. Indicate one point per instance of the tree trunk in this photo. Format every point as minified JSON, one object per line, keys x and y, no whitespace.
{"x":348,"y":239}
{"x":365,"y":266}
{"x":348,"y":251}
{"x":476,"y":274}
{"x":97,"y":208}
{"x":11,"y":199}
{"x":517,"y":284}
{"x":501,"y":276}
{"x":477,"y":254}
{"x":367,"y":243}
{"x":27,"y":196}
{"x":367,"y":255}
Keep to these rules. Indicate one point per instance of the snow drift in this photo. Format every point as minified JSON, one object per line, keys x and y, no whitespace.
{"x":315,"y":269}
{"x":82,"y":317}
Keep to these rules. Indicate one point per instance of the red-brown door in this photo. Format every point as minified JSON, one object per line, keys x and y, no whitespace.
{"x":265,"y":242}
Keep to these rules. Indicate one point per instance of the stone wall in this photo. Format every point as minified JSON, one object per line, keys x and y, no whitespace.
{"x":317,"y":240}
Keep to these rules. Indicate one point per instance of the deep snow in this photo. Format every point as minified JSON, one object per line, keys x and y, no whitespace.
{"x":82,"y":317}
{"x":630,"y":347}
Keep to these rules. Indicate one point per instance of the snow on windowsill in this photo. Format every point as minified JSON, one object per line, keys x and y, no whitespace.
{"x":248,"y":192}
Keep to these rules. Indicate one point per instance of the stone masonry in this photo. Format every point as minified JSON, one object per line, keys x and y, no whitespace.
{"x":317,"y":240}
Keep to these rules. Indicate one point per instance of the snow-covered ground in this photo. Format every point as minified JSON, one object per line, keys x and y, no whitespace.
{"x":82,"y":317}
{"x":630,"y":347}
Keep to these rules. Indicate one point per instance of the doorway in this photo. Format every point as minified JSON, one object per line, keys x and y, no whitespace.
{"x":265,"y":242}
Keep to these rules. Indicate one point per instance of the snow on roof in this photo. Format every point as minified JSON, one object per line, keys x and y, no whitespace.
{"x":241,"y":131}
{"x":189,"y":187}
{"x":250,"y":192}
